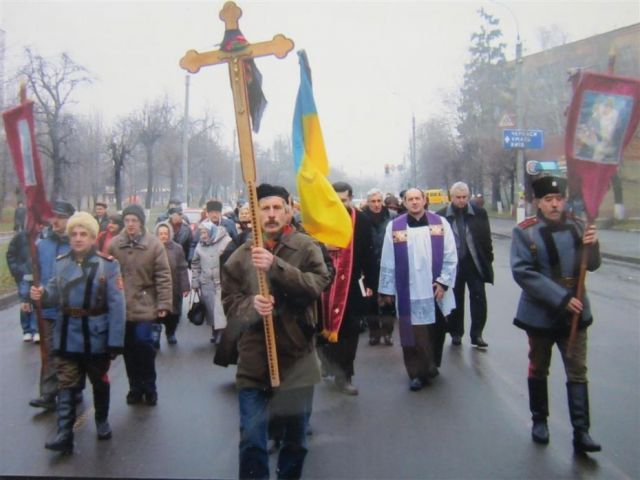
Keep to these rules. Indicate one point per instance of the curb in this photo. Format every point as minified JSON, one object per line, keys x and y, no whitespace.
{"x":8,"y":299}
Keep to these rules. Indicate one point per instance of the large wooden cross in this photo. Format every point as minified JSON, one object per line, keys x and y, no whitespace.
{"x":280,"y":46}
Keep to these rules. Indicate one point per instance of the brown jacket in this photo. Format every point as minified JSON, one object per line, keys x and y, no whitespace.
{"x":296,"y":279}
{"x":146,"y":274}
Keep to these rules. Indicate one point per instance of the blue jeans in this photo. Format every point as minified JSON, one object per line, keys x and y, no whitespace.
{"x":292,"y":408}
{"x":28,"y":322}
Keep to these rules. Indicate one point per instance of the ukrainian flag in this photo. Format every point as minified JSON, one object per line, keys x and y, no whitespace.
{"x":323,"y":215}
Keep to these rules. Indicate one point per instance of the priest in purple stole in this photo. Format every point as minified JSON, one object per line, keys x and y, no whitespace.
{"x":418,"y":267}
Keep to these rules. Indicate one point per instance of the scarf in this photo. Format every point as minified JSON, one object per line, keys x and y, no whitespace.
{"x":401,"y":255}
{"x":334,"y":300}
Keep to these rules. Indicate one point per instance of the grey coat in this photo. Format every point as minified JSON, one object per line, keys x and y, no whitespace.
{"x":205,"y":269}
{"x":542,"y":255}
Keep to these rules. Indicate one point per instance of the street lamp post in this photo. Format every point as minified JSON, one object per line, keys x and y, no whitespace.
{"x":520,"y":210}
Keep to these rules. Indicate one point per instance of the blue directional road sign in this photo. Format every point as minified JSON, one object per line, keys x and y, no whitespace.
{"x":521,"y":138}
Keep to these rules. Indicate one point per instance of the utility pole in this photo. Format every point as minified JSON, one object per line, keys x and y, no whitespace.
{"x":521,"y":200}
{"x":185,"y":145}
{"x":414,"y":173}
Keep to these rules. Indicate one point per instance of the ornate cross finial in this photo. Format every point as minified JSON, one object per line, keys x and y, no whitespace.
{"x":230,"y":14}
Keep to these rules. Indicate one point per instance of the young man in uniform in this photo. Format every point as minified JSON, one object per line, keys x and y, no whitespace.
{"x":87,"y":287}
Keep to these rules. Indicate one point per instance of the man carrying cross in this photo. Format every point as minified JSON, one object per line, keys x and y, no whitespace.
{"x":294,"y":265}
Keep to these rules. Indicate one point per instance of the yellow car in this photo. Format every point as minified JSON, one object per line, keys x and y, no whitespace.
{"x":437,"y":196}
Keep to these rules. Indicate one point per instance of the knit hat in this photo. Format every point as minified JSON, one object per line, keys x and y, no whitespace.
{"x":136,"y":210}
{"x":84,"y":220}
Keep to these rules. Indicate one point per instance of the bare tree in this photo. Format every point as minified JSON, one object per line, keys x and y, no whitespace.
{"x":151,"y":124}
{"x":120,"y":145}
{"x":53,"y":82}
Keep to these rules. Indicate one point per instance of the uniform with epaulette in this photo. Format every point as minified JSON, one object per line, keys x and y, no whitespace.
{"x":545,"y":262}
{"x":89,"y":331}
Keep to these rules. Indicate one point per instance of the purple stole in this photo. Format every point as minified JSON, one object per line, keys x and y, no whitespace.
{"x":401,"y":255}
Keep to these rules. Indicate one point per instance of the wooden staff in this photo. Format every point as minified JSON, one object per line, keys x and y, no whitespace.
{"x":280,"y":46}
{"x":32,"y":235}
{"x":580,"y":289}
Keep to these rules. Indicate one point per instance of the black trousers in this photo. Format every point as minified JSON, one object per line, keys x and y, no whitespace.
{"x":338,"y":358}
{"x":140,"y":357}
{"x":468,"y":276}
{"x":380,"y":320}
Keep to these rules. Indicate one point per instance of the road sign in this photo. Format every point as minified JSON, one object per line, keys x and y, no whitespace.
{"x":507,"y":121}
{"x":520,"y":138}
{"x":534,"y":167}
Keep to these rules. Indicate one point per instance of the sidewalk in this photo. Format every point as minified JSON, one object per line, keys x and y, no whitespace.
{"x":614,"y":244}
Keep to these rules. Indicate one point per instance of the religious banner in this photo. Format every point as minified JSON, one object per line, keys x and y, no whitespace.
{"x":602,"y":118}
{"x":323,"y":215}
{"x":20,"y":131}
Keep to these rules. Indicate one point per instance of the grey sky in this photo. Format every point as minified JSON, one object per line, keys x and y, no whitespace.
{"x":373,"y":63}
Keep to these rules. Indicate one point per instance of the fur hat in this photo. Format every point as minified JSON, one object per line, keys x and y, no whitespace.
{"x":84,"y":220}
{"x":266,"y":190}
{"x":136,"y":210}
{"x":214,"y":206}
{"x":546,"y":185}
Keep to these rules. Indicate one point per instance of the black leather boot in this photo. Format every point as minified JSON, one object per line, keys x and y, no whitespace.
{"x":578,"y":396}
{"x":66,"y":410}
{"x":101,"y":396}
{"x":539,"y":406}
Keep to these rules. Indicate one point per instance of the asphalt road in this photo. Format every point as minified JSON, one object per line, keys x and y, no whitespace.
{"x":472,"y":423}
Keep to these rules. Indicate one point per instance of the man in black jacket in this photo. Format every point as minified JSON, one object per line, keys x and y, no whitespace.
{"x":345,"y":302}
{"x":472,"y":232}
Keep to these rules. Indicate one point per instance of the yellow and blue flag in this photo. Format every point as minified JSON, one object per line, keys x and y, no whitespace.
{"x":323,"y":215}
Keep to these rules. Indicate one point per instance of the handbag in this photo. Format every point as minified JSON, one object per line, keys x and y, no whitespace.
{"x":197,"y":309}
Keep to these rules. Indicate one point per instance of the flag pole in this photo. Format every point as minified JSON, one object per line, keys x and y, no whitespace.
{"x":32,"y":235}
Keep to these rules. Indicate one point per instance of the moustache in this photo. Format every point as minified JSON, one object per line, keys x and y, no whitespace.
{"x":272,"y":224}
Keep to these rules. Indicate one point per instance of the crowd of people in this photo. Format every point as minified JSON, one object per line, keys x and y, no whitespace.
{"x":107,"y":286}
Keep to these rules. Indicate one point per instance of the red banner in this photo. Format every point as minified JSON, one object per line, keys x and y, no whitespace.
{"x":602,"y":118}
{"x":21,"y":138}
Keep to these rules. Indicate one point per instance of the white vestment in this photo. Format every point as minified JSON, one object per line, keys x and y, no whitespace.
{"x":423,"y":310}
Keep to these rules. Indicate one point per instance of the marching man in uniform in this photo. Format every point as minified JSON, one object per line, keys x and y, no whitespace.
{"x":545,"y":258}
{"x":88,"y":288}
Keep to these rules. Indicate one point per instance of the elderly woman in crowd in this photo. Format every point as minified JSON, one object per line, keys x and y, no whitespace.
{"x":205,"y":269}
{"x":179,"y":280}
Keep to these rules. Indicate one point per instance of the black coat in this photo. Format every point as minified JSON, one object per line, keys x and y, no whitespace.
{"x":363,"y":263}
{"x":479,"y":232}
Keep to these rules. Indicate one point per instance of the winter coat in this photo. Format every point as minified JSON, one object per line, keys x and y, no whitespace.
{"x":296,"y":279}
{"x":91,"y":301}
{"x":49,"y":248}
{"x":205,"y":269}
{"x":182,"y":237}
{"x":478,"y":238}
{"x":179,"y":269}
{"x":146,"y":273}
{"x":545,"y":262}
